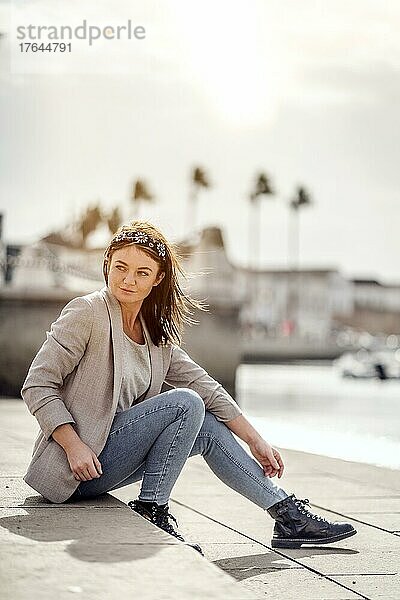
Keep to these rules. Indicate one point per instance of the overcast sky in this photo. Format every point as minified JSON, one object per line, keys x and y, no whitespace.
{"x":307,"y":91}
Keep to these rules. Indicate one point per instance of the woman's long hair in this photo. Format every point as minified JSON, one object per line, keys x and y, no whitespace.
{"x":167,"y":308}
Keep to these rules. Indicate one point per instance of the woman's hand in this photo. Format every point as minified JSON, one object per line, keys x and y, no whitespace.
{"x":269,"y":458}
{"x":83,"y":462}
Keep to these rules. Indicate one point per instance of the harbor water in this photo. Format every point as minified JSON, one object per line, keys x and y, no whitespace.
{"x":314,"y":409}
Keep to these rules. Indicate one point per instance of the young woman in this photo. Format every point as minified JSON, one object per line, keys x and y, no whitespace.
{"x":95,"y":389}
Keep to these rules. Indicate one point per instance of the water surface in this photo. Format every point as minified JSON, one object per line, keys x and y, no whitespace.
{"x":314,"y":409}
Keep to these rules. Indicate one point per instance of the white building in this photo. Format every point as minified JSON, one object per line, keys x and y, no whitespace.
{"x":270,"y":300}
{"x":55,"y":267}
{"x":213,"y":276}
{"x":372,"y":295}
{"x":303,"y":302}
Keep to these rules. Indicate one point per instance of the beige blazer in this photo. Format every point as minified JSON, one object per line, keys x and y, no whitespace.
{"x":76,"y":378}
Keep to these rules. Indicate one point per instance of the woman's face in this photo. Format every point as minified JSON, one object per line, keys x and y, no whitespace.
{"x":132,"y":274}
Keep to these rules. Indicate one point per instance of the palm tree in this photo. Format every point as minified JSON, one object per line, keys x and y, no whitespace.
{"x":89,"y":222}
{"x":299,"y":201}
{"x":262,"y":187}
{"x":139,"y":194}
{"x":113,"y":220}
{"x":198,"y":180}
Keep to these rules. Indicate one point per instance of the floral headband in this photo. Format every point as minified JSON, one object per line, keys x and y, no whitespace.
{"x":139,"y":237}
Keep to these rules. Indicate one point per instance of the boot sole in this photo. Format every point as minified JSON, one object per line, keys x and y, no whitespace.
{"x":296,"y":543}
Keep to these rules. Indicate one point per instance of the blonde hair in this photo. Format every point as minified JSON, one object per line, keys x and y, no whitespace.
{"x":167,"y":308}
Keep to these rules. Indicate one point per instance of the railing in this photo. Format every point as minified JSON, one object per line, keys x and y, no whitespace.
{"x":50,"y":264}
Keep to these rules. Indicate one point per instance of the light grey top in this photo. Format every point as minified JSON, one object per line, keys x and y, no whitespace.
{"x":136,"y":373}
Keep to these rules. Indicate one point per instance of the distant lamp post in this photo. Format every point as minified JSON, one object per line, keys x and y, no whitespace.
{"x":300,"y":200}
{"x":140,"y":194}
{"x":198,"y":180}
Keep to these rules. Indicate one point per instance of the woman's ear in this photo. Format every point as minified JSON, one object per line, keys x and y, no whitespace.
{"x":106,"y":263}
{"x":160,"y":277}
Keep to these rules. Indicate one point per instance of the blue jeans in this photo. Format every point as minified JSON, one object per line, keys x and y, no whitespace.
{"x":152,"y":440}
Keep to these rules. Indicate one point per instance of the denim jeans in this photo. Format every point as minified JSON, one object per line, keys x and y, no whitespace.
{"x":152,"y":440}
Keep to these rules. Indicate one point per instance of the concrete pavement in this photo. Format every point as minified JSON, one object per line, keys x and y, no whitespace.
{"x":101,"y":549}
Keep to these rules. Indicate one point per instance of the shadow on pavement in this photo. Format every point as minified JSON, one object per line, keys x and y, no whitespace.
{"x":243,"y":567}
{"x":98,"y":530}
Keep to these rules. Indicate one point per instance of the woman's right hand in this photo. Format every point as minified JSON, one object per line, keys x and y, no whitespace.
{"x":83,"y":461}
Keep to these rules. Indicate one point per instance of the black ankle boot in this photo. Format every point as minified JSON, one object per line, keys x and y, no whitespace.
{"x":295,"y":525}
{"x":159,"y":516}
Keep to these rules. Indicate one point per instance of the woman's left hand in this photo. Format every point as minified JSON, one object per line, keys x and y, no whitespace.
{"x":269,"y":458}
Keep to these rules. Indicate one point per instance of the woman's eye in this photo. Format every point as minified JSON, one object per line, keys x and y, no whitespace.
{"x":143,"y":273}
{"x":120,"y":267}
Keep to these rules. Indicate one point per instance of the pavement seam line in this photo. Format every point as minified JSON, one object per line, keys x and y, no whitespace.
{"x":298,"y":562}
{"x":355,"y":480}
{"x":335,"y":512}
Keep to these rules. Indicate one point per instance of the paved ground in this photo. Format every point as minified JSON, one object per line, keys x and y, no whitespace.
{"x":100,"y":549}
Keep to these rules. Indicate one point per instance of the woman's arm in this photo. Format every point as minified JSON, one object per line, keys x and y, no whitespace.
{"x":60,"y":353}
{"x":82,"y":460}
{"x":184,"y":372}
{"x":267,"y":456}
{"x":66,"y":436}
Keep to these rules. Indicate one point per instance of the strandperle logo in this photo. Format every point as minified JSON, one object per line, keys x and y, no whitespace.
{"x":84,"y":31}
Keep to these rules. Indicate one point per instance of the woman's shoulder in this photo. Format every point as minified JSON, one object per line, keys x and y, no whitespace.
{"x":93,"y":299}
{"x":88,"y":305}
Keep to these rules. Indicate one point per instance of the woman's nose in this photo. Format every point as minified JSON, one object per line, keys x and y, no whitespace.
{"x":130,"y":278}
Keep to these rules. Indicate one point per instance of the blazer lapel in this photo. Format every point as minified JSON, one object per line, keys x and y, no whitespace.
{"x":117,"y":335}
{"x":156,"y":363}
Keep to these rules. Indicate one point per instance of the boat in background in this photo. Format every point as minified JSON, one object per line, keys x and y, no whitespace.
{"x":383,"y":363}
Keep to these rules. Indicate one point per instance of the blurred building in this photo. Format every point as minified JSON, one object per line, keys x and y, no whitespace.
{"x":309,"y":304}
{"x":212,"y":275}
{"x":51,"y":267}
{"x":373,"y":295}
{"x":376,"y":307}
{"x":302,"y":303}
{"x":3,"y":255}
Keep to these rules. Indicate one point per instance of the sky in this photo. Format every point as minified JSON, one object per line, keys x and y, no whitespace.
{"x":305,"y":91}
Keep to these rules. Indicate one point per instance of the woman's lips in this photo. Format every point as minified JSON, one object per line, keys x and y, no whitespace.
{"x":128,"y":291}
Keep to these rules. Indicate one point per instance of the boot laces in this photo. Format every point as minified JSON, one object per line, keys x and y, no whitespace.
{"x":159,"y":517}
{"x":162,"y":520}
{"x":302,"y":506}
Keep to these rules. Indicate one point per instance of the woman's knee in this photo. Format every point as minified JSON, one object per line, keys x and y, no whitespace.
{"x":212,"y":433}
{"x":214,"y":428}
{"x":191,"y":400}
